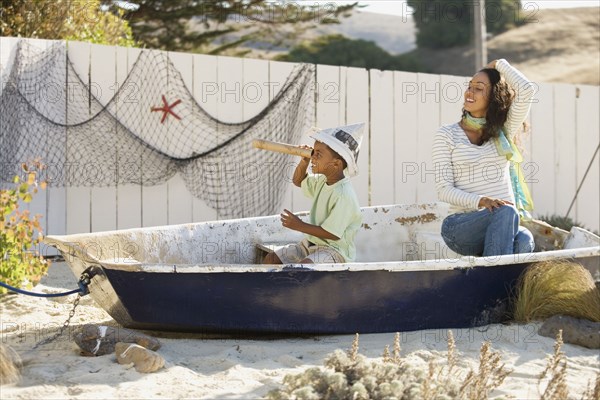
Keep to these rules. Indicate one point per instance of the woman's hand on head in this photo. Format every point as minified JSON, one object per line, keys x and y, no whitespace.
{"x":490,"y":203}
{"x":492,"y":64}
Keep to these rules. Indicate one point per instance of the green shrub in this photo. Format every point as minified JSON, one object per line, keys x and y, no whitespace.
{"x":20,"y":264}
{"x":340,"y":50}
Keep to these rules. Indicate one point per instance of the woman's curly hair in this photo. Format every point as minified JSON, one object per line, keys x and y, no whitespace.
{"x":500,"y":98}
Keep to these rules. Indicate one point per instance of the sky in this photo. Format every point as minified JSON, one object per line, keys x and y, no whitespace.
{"x":391,"y":7}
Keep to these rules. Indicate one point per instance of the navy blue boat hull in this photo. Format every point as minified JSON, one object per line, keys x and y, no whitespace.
{"x":209,"y":277}
{"x":300,"y":301}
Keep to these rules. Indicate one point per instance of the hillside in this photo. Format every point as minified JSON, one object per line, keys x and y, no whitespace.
{"x":562,"y":46}
{"x":565,"y":46}
{"x":393,"y":34}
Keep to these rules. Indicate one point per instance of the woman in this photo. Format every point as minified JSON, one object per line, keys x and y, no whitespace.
{"x":477,"y":170}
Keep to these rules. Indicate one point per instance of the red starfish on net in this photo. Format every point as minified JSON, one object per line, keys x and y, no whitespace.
{"x":166,"y":109}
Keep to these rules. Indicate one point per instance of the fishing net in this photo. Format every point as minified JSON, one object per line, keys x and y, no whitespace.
{"x":150,"y":130}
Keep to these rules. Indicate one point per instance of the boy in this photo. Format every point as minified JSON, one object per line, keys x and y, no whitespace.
{"x":335,"y":214}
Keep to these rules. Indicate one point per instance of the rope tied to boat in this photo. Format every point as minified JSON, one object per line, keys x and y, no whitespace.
{"x":82,"y":290}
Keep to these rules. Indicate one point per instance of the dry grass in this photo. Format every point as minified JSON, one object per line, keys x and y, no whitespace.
{"x":10,"y":364}
{"x":556,"y":288}
{"x":386,"y":354}
{"x":476,"y":385}
{"x":556,"y":371}
{"x":592,"y":392}
{"x":452,"y":352}
{"x":349,"y":375}
{"x":397,"y":359}
{"x":491,"y":374}
{"x":440,"y":377}
{"x":353,"y":353}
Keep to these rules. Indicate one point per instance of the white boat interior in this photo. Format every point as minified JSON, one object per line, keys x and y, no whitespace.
{"x":391,"y":237}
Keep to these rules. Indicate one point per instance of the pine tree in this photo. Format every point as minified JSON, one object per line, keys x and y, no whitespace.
{"x":215,"y":26}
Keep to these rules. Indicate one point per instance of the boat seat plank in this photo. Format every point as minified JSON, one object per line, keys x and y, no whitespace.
{"x":262,"y":249}
{"x":270,"y":247}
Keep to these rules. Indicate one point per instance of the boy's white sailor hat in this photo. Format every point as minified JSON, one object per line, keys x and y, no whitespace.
{"x":344,"y":140}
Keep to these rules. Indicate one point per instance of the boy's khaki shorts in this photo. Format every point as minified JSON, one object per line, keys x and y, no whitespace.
{"x":296,"y":252}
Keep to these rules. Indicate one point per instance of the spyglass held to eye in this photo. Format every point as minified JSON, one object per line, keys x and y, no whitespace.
{"x":282,"y":148}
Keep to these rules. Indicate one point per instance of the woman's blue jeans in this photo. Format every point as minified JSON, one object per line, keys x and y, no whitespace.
{"x":487,"y":233}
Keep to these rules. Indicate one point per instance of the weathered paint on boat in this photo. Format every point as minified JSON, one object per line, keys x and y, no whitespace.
{"x":204,"y":277}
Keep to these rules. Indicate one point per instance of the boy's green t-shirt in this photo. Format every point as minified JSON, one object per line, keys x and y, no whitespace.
{"x":335,"y":208}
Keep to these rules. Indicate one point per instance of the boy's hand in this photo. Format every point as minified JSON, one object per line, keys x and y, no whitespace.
{"x":301,"y":168}
{"x":304,"y":146}
{"x":289,"y":220}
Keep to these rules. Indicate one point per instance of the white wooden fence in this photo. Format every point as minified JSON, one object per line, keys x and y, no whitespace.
{"x":402,"y":111}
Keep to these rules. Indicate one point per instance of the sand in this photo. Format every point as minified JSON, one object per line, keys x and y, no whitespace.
{"x":241,"y":368}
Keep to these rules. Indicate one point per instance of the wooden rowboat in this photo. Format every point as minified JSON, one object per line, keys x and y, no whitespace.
{"x":204,"y":277}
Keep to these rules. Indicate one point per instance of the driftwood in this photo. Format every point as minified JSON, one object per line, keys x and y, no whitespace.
{"x":98,"y":340}
{"x":547,"y":237}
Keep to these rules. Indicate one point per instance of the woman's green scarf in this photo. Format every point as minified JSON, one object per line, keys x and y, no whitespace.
{"x":506,"y":147}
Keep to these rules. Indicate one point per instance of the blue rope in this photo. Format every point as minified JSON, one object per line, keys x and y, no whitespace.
{"x":21,"y":291}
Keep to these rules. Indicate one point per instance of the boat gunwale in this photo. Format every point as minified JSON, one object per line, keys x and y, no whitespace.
{"x":431,"y":265}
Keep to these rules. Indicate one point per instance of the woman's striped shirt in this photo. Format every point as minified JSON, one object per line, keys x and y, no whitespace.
{"x":465,"y":172}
